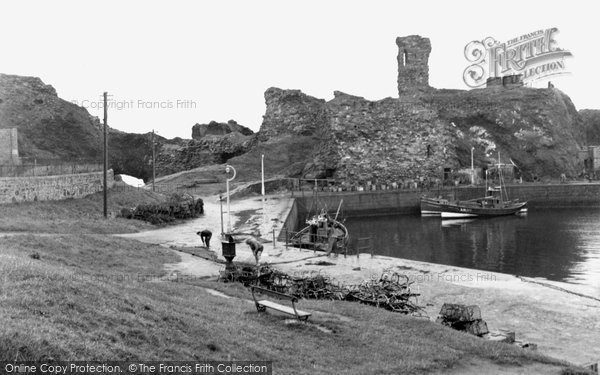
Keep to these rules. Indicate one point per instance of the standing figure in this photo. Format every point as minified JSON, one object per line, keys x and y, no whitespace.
{"x":256,"y":247}
{"x":205,"y":236}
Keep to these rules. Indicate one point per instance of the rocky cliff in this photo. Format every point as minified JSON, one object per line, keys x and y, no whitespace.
{"x":214,"y":128}
{"x":538,"y":129}
{"x":591,"y":125}
{"x":48,"y":127}
{"x":183,"y":154}
{"x":52,"y":128}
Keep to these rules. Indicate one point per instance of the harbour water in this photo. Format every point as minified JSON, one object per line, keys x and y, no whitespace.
{"x":556,"y":244}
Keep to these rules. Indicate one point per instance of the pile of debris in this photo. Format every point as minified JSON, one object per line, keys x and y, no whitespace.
{"x":391,"y":291}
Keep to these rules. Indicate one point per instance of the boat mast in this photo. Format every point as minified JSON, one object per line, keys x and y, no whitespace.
{"x":501,"y":180}
{"x":338,"y":210}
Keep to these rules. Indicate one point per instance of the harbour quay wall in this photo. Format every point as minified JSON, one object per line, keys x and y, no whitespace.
{"x":546,"y":195}
{"x":42,"y":188}
{"x":380,"y":202}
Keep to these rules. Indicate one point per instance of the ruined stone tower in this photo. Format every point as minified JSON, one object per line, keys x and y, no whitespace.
{"x":413,"y":69}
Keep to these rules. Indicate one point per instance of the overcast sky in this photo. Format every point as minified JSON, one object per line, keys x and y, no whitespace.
{"x":218,"y":58}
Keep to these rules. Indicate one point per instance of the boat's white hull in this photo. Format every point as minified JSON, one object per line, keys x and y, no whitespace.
{"x":456,"y":215}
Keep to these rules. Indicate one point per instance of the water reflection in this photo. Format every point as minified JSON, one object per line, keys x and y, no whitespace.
{"x":558,"y":244}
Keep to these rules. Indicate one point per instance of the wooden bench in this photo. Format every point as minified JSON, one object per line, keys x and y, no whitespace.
{"x":263,"y":304}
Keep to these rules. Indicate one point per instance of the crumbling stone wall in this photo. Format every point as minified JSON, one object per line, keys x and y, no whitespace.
{"x":388,"y":140}
{"x":514,"y":80}
{"x":292,"y":112}
{"x":413,"y":63}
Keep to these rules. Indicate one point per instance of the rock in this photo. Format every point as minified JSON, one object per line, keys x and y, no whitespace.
{"x":214,"y":128}
{"x":590,"y":119}
{"x":188,"y":154}
{"x":52,"y":128}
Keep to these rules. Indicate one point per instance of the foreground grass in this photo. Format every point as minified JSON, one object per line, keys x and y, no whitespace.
{"x":93,"y":297}
{"x":83,"y":215}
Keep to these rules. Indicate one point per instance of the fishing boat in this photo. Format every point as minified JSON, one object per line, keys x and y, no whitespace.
{"x":492,"y":204}
{"x":322,"y":233}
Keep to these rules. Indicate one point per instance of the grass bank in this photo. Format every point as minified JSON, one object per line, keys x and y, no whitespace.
{"x":83,"y":215}
{"x":95,"y":297}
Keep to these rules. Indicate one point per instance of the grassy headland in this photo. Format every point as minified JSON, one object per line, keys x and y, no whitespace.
{"x":78,"y":215}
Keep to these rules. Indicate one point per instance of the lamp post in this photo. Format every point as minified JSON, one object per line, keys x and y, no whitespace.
{"x":472,"y":168}
{"x":227,"y":169}
{"x":228,"y":245}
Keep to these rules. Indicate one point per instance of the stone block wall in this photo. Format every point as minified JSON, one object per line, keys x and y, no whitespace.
{"x":382,"y":202}
{"x":30,"y":189}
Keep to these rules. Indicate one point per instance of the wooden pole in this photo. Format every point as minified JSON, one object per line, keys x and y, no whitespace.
{"x":221,"y":201}
{"x":105,"y":156}
{"x":338,"y":210}
{"x":153,"y":162}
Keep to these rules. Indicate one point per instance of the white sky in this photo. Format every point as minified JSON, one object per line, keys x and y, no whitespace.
{"x":223,"y":55}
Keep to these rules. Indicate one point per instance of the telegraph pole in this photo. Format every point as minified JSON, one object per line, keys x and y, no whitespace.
{"x":105,"y":156}
{"x":153,"y":162}
{"x":262,"y":173}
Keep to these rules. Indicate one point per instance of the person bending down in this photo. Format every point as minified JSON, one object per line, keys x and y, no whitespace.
{"x":205,"y":236}
{"x":256,"y":247}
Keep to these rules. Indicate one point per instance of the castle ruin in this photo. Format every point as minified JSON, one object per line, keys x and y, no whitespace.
{"x":413,"y":63}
